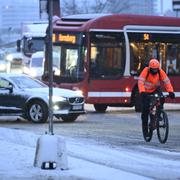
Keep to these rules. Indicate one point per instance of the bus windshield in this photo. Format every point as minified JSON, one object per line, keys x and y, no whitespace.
{"x":69,"y":62}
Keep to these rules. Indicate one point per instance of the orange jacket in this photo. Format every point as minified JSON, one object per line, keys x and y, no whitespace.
{"x":148,"y":82}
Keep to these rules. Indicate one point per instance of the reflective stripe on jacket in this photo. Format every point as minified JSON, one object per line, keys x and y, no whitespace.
{"x":148,"y":82}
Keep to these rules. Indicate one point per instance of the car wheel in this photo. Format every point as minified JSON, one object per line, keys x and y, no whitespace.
{"x":37,"y":112}
{"x":69,"y":117}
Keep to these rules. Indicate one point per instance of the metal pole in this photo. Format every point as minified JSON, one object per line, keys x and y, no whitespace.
{"x":50,"y":59}
{"x":162,"y":13}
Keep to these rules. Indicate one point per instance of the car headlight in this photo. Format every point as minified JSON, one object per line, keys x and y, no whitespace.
{"x":2,"y":67}
{"x":9,"y":57}
{"x":79,"y":92}
{"x":58,"y":98}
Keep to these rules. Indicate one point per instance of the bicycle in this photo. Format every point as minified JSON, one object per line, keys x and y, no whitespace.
{"x":157,"y":119}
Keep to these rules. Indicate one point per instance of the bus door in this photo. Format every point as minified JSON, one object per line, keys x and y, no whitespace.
{"x":106,"y":68}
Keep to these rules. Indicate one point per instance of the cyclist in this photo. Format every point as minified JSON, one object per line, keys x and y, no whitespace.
{"x":149,"y":83}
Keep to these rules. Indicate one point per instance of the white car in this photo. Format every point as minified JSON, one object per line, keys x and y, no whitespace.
{"x":35,"y":66}
{"x":29,"y":98}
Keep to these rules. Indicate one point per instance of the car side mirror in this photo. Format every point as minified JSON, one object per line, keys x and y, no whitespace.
{"x":18,"y":45}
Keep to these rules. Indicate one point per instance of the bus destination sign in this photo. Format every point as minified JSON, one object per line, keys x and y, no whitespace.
{"x":65,"y":38}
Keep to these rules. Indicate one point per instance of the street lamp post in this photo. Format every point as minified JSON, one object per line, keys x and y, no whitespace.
{"x":55,"y":156}
{"x":46,"y":6}
{"x":50,"y":59}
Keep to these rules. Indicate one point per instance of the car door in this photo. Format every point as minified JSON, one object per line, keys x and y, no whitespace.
{"x":10,"y":101}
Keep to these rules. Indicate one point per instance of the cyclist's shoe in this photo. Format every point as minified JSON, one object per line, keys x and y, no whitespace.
{"x":147,"y":134}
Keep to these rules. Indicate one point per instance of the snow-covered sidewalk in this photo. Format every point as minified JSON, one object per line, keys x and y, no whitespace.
{"x":85,"y":161}
{"x":17,"y":155}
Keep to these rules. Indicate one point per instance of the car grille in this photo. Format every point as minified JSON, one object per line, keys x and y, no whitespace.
{"x":76,"y":100}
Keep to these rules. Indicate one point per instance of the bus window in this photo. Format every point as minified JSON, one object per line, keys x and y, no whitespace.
{"x":163,"y":47}
{"x":172,"y":66}
{"x":71,"y":61}
{"x":56,"y":60}
{"x":106,"y":55}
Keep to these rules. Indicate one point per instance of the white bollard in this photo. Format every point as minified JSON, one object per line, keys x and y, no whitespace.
{"x":51,"y":153}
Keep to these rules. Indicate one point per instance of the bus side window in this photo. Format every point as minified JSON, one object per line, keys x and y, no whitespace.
{"x":107,"y":56}
{"x":94,"y":67}
{"x":171,"y":63}
{"x":134,"y":60}
{"x":178,"y":59}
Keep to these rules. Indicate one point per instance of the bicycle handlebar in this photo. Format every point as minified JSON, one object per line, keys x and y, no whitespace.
{"x":157,"y":96}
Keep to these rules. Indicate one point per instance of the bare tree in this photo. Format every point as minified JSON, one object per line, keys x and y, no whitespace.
{"x":86,"y":6}
{"x":116,"y":6}
{"x":97,"y":6}
{"x":70,"y":7}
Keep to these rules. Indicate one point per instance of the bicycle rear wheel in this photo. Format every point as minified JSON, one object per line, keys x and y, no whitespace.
{"x":147,"y":130}
{"x":162,"y":127}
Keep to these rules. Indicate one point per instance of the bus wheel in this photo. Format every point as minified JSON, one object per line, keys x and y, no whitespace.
{"x":100,"y":108}
{"x":69,"y":117}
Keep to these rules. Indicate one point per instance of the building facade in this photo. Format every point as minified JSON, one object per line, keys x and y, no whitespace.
{"x":13,"y":13}
{"x":146,"y":7}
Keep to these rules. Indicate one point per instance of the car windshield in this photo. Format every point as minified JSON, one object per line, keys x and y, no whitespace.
{"x":27,"y":82}
{"x":37,"y":62}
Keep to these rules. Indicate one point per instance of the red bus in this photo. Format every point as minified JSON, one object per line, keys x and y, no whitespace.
{"x":102,"y":55}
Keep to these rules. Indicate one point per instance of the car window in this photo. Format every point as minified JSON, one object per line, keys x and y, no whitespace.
{"x":4,"y":83}
{"x":26,"y":82}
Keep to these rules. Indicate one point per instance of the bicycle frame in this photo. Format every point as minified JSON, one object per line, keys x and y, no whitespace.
{"x":155,"y":103}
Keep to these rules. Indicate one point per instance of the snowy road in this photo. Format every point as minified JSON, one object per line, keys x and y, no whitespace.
{"x":114,"y":140}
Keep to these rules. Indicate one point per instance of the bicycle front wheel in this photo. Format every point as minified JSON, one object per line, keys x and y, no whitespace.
{"x":162,"y":127}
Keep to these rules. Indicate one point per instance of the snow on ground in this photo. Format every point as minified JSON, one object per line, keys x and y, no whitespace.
{"x":85,"y":161}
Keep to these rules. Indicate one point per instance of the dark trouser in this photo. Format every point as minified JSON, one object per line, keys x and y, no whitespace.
{"x":145,"y":101}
